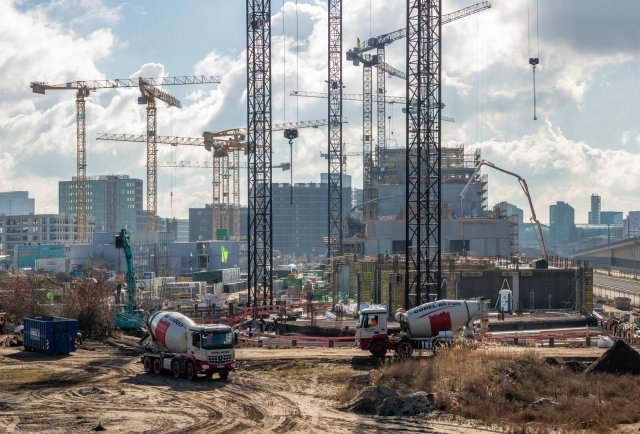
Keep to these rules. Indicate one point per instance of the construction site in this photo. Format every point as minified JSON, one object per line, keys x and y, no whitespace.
{"x":404,"y":304}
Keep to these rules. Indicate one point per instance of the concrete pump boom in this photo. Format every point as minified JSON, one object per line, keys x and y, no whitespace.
{"x":525,"y":188}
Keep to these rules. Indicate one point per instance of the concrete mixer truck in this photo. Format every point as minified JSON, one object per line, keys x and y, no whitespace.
{"x":422,"y":328}
{"x":187,"y":349}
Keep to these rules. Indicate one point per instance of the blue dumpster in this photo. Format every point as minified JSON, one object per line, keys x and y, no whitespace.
{"x":50,"y":334}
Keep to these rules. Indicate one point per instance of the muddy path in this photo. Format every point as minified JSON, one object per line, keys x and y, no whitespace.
{"x":102,"y":387}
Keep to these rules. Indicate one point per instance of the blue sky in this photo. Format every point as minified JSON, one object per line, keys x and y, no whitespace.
{"x":585,"y":141}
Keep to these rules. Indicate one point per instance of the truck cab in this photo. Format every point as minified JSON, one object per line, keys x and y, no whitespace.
{"x":212,"y":347}
{"x":371,"y":331}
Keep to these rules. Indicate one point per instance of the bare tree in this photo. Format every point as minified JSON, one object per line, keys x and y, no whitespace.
{"x":21,"y":298}
{"x":88,"y":303}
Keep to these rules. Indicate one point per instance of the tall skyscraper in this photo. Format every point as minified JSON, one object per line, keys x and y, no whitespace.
{"x":594,"y":214}
{"x":113,"y":201}
{"x":561,"y":224}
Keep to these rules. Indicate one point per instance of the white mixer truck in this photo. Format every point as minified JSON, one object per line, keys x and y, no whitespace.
{"x":187,"y":349}
{"x":422,"y":328}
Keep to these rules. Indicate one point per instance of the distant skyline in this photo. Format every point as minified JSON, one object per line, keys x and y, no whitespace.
{"x":585,"y":140}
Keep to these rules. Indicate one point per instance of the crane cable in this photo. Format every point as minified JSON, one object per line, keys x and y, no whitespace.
{"x":533,"y":61}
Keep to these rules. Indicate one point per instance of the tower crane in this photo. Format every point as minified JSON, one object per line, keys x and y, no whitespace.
{"x":525,"y":189}
{"x":357,"y":56}
{"x":222,"y":170}
{"x":83,"y":89}
{"x":220,"y":143}
{"x":388,"y":38}
{"x":379,"y":43}
{"x":344,"y":156}
{"x":149,"y":96}
{"x":360,"y":97}
{"x":208,"y":165}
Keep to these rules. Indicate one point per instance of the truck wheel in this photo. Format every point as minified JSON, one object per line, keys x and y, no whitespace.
{"x":404,"y":349}
{"x":208,"y":375}
{"x":378,"y":349}
{"x":224,"y":375}
{"x":175,"y":369}
{"x":157,"y":366}
{"x":190,"y":371}
{"x":148,"y":365}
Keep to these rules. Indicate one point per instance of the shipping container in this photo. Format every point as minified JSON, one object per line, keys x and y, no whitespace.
{"x":50,"y":334}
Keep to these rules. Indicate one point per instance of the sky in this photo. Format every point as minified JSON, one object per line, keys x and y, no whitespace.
{"x":584,"y":141}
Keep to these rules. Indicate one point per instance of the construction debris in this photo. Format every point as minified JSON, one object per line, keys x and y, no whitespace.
{"x":619,"y":359}
{"x":11,"y":340}
{"x":383,"y":401}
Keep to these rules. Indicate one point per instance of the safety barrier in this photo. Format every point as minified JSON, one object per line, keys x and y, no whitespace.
{"x":549,"y":337}
{"x":270,"y":340}
{"x":263,"y":310}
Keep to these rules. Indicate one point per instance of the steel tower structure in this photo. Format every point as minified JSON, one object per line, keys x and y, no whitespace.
{"x":260,"y":279}
{"x":423,"y":270}
{"x":369,"y":192}
{"x":334,"y":82}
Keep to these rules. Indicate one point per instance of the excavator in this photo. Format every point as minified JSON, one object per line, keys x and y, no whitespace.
{"x":130,"y":318}
{"x":525,"y":188}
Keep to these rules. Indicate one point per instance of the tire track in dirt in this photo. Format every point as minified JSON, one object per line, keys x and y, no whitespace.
{"x":280,"y":396}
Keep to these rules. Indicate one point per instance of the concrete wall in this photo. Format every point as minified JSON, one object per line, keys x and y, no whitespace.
{"x":487,"y":237}
{"x":532,"y":289}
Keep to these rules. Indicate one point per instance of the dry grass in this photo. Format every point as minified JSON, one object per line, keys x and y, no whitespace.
{"x":497,"y":388}
{"x":11,"y":378}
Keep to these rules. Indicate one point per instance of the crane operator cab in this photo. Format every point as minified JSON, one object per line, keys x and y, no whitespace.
{"x":371,"y":325}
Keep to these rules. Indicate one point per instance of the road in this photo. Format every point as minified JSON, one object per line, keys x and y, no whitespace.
{"x":612,"y":287}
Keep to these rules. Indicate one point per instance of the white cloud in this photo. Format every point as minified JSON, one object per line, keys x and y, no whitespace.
{"x":559,"y":168}
{"x":486,"y":84}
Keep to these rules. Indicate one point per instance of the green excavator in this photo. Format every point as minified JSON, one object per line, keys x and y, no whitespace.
{"x":130,"y":317}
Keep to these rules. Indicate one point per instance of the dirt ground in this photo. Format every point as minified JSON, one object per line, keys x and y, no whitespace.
{"x":273,"y":390}
{"x":102,"y":387}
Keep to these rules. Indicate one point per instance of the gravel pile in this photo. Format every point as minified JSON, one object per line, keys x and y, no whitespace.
{"x":619,"y":359}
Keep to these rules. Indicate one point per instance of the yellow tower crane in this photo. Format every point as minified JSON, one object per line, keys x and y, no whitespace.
{"x":83,"y":89}
{"x":219,"y":143}
{"x":223,"y":206}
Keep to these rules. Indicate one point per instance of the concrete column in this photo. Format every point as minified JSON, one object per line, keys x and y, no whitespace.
{"x":515,"y":289}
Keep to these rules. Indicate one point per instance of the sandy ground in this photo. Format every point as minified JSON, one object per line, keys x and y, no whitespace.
{"x":279,"y":391}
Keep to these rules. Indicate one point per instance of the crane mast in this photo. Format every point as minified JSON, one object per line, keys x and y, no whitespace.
{"x":149,"y":96}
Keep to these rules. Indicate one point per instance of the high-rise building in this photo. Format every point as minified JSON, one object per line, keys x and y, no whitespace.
{"x":299,"y":228}
{"x":36,"y":229}
{"x":113,"y":201}
{"x":594,"y":214}
{"x":562,"y":225}
{"x":16,"y":203}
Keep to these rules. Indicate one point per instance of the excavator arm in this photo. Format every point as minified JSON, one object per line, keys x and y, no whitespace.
{"x":122,"y":242}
